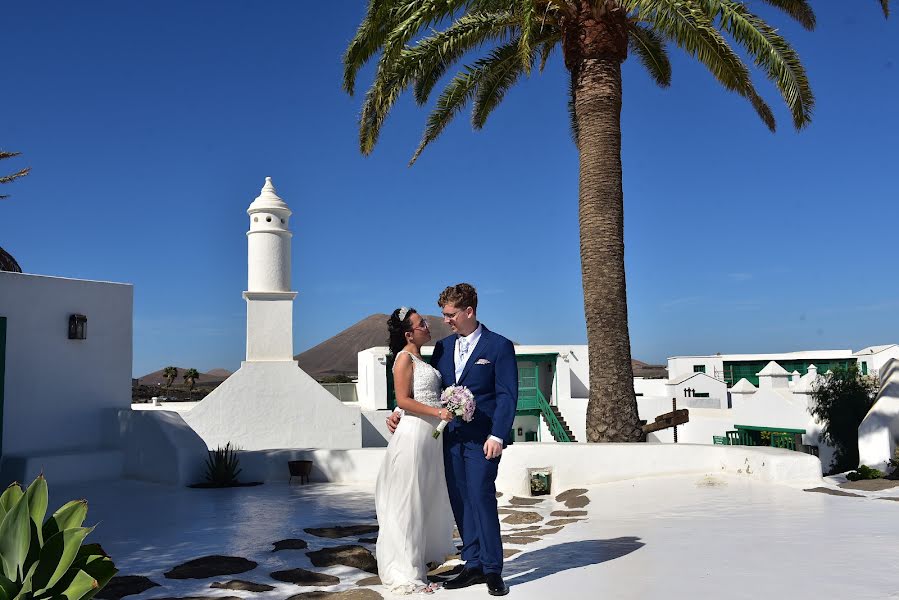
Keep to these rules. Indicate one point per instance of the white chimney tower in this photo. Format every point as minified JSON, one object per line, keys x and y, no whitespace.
{"x":269,"y":297}
{"x":270,"y":402}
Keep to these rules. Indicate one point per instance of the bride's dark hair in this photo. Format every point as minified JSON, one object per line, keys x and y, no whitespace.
{"x":398,"y":328}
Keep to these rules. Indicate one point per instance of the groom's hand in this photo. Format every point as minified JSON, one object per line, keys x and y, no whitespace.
{"x":392,"y":421}
{"x":492,"y":449}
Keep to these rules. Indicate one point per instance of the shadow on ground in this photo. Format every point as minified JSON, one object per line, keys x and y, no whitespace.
{"x":570,"y":555}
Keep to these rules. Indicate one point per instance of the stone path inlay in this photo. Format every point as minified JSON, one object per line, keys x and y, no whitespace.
{"x":357,"y":594}
{"x":243,"y":586}
{"x":568,"y":494}
{"x":341,"y":531}
{"x":373,"y":580}
{"x":509,"y":552}
{"x":832,"y":492}
{"x":125,"y":585}
{"x":555,"y":522}
{"x":577,"y":502}
{"x":349,"y":556}
{"x":870,"y":485}
{"x":511,"y":539}
{"x":211,"y":566}
{"x":290,"y":544}
{"x":515,"y":500}
{"x":568,"y":513}
{"x":305,"y":577}
{"x":523,"y":518}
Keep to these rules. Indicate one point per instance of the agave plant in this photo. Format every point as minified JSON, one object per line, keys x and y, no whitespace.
{"x":46,"y":559}
{"x":222,"y":466}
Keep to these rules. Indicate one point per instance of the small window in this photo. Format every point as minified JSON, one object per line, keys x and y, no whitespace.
{"x":268,"y":219}
{"x":864,"y":368}
{"x":699,"y":368}
{"x":700,"y":394}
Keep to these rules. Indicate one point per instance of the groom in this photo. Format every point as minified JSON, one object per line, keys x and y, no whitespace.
{"x":484,"y":362}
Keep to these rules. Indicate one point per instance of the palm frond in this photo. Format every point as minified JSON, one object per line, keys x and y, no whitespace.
{"x":498,"y":75}
{"x":13,"y":176}
{"x":527,"y":11}
{"x":462,"y":88}
{"x":772,"y":53}
{"x":798,"y":9}
{"x":547,"y":47}
{"x":439,"y":51}
{"x":691,"y":29}
{"x":885,"y":5}
{"x":370,"y":35}
{"x":650,"y":49}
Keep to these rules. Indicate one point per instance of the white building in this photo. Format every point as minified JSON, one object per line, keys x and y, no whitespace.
{"x":66,"y":347}
{"x":871,"y":360}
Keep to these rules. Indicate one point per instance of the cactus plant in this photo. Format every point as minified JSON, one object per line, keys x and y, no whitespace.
{"x":46,"y":559}
{"x":222,"y":466}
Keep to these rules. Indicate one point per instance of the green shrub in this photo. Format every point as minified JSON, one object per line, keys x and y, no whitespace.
{"x":864,"y":472}
{"x":222,"y":466}
{"x":45,"y":559}
{"x":839,"y":403}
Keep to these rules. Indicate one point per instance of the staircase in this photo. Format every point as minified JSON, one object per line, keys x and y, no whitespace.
{"x":561,"y":420}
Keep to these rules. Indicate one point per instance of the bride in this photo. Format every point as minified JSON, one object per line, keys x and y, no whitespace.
{"x":415,"y":519}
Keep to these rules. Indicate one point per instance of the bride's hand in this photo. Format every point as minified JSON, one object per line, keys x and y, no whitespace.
{"x":445,"y":415}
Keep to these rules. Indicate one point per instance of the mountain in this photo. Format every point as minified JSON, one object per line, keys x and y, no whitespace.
{"x":338,"y":355}
{"x":212,"y":377}
{"x":642,"y":369}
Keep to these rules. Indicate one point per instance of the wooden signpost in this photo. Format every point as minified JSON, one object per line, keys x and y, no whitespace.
{"x":672,"y":419}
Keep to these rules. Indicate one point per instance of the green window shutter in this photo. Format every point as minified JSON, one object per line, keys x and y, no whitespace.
{"x":699,"y":368}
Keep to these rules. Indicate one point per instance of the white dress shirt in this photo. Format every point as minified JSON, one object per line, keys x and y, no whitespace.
{"x":464,"y":348}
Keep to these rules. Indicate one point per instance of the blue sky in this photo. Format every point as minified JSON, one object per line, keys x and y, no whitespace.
{"x":151,"y":126}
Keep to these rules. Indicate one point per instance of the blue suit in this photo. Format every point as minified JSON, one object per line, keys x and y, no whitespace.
{"x":491,"y":374}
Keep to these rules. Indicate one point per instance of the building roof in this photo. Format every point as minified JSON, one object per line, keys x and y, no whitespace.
{"x":802,"y":354}
{"x":772,"y":369}
{"x":874,"y":349}
{"x":683,"y":378}
{"x":743,"y":387}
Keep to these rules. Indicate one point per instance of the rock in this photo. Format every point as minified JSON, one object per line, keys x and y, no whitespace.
{"x":555,"y":522}
{"x":532,"y":533}
{"x":125,"y":585}
{"x":507,"y":511}
{"x":517,"y":529}
{"x":499,"y":494}
{"x":341,"y":531}
{"x":243,"y":586}
{"x":373,"y":580}
{"x":509,"y":552}
{"x":350,"y":556}
{"x":577,"y":502}
{"x":211,"y":566}
{"x":198,"y":598}
{"x":519,"y":539}
{"x":568,"y":494}
{"x":525,"y":501}
{"x":568,"y":513}
{"x":870,"y":485}
{"x":304,"y":577}
{"x":290,"y":544}
{"x":523,"y":518}
{"x":832,"y":492}
{"x":358,"y":594}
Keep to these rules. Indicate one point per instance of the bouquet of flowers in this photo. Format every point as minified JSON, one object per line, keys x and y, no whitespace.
{"x":459,"y":400}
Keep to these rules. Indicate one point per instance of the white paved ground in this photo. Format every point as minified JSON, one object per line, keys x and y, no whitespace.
{"x":667,"y":538}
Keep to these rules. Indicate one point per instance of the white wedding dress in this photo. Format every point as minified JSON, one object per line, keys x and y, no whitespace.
{"x":415,"y":519}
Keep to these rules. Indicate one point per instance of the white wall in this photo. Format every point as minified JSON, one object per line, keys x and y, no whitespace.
{"x":574,"y":465}
{"x":56,"y":389}
{"x":371,"y":382}
{"x":878,"y":435}
{"x":679,"y":366}
{"x":700,"y":383}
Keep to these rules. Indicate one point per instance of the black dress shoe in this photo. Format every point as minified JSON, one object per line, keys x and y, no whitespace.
{"x":466,"y":578}
{"x":495,"y":585}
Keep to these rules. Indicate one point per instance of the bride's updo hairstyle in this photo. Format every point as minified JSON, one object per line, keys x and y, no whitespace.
{"x":399,"y":324}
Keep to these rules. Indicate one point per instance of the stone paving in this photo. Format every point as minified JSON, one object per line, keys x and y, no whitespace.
{"x":671,"y":537}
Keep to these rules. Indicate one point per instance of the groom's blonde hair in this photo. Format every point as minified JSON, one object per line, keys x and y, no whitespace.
{"x":461,"y":295}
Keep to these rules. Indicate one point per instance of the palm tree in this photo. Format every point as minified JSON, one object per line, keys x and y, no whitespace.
{"x":7,"y":262}
{"x":595,"y":37}
{"x":169,"y":374}
{"x":190,"y":379}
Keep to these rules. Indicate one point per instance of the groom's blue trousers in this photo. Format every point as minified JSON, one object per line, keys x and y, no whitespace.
{"x":471,"y":482}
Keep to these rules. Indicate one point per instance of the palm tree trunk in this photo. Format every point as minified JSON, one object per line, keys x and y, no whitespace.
{"x":595,"y":47}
